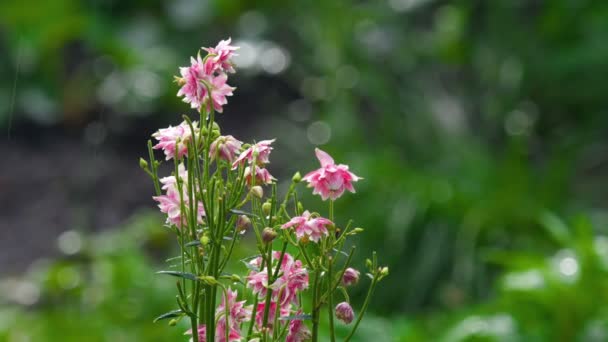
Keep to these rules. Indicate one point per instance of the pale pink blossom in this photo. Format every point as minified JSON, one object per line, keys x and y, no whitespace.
{"x":220,"y":57}
{"x":351,"y":277}
{"x":201,"y":331}
{"x":193,"y":89}
{"x":239,"y":313}
{"x":331,"y":180}
{"x":196,"y":84}
{"x":308,"y":226}
{"x":225,"y":147}
{"x":298,"y":331}
{"x":344,"y":312}
{"x":219,"y":90}
{"x":174,"y":140}
{"x":262,"y":149}
{"x":259,"y":314}
{"x":170,"y":204}
{"x":262,"y":176}
{"x":293,"y":278}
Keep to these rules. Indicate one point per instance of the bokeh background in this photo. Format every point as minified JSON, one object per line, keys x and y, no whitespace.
{"x":481,"y":128}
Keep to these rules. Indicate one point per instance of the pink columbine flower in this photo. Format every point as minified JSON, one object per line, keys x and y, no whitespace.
{"x":225,"y":147}
{"x":331,"y":180}
{"x":307,"y":226}
{"x":293,"y":278}
{"x":196,"y":84}
{"x":262,"y":149}
{"x":351,"y":277}
{"x":193,"y":89}
{"x":237,"y":314}
{"x":174,"y":140}
{"x":262,"y":176}
{"x":298,"y":332}
{"x":201,"y":331}
{"x":344,"y":312}
{"x":220,"y":57}
{"x":219,"y":90}
{"x":272,"y":311}
{"x":169,"y":203}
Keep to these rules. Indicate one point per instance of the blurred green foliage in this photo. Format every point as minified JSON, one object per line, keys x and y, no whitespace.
{"x":470,"y":120}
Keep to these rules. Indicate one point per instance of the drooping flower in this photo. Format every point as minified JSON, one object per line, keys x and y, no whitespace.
{"x":193,"y":89}
{"x":220,"y":57}
{"x":298,"y":331}
{"x":225,"y":147}
{"x":174,"y":140}
{"x":344,"y":312}
{"x":306,"y":226}
{"x":351,"y":277}
{"x":237,"y":314}
{"x":196,"y":84}
{"x":219,"y":90}
{"x":331,"y":180}
{"x":201,"y":331}
{"x":262,"y":176}
{"x":293,"y":278}
{"x":262,"y":149}
{"x":169,"y":203}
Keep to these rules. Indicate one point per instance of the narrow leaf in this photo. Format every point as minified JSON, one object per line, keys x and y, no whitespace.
{"x":184,"y":275}
{"x":170,"y":314}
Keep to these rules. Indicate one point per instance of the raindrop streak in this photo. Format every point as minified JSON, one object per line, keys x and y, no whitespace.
{"x":12,"y":106}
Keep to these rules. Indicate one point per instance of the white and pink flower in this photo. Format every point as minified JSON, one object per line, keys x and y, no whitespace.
{"x":350,"y":277}
{"x":331,"y":180}
{"x":262,"y":176}
{"x":225,"y":147}
{"x":298,"y":331}
{"x":174,"y":140}
{"x":261,"y":149}
{"x":344,"y":312}
{"x":220,"y":57}
{"x":170,"y":202}
{"x":307,"y":226}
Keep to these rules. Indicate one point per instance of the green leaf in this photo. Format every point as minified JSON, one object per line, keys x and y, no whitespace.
{"x":170,"y":314}
{"x":193,"y":243}
{"x":294,"y":317}
{"x":240,"y":212}
{"x":184,"y":275}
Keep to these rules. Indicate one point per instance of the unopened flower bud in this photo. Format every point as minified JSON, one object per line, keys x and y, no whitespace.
{"x":351,"y":277}
{"x":297,"y":177}
{"x":266,"y":208}
{"x":257,"y":191}
{"x":344,"y":312}
{"x":358,"y":230}
{"x":172,"y":322}
{"x":204,"y":240}
{"x":143,"y":163}
{"x":368,"y":264}
{"x":179,"y":80}
{"x":300,"y":207}
{"x":384,"y":271}
{"x":242,"y":223}
{"x":268,"y":234}
{"x":235,"y":278}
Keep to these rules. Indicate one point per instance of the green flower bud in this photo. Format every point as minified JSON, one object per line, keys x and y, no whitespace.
{"x":297,"y":177}
{"x":172,"y":322}
{"x":204,"y":240}
{"x":257,"y":191}
{"x":268,"y":234}
{"x":143,"y":163}
{"x":300,"y":207}
{"x":266,"y":208}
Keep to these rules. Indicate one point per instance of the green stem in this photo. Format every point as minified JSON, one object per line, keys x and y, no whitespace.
{"x":330,"y":304}
{"x":364,"y":308}
{"x":315,"y":307}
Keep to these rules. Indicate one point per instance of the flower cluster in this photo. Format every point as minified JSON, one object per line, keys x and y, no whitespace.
{"x":257,"y":156}
{"x":308,"y":227}
{"x":204,"y":80}
{"x":293,"y":277}
{"x":223,"y":175}
{"x":173,"y":201}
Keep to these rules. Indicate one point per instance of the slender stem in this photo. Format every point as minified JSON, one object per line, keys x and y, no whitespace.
{"x":364,"y":308}
{"x":330,"y":304}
